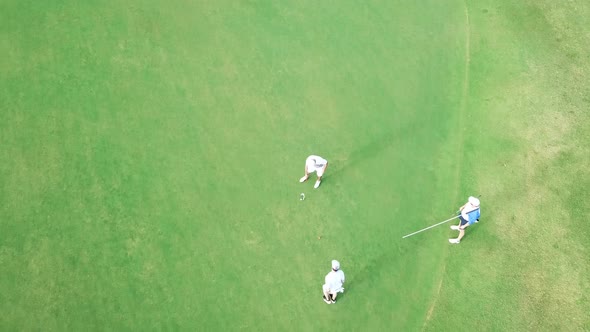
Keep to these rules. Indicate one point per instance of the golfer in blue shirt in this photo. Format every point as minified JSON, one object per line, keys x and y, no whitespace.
{"x":469,"y":215}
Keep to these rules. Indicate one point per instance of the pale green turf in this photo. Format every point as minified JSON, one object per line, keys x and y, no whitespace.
{"x":526,"y":266}
{"x":151,"y":151}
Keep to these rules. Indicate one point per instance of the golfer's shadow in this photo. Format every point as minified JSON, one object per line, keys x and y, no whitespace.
{"x":364,"y":154}
{"x":364,"y":275}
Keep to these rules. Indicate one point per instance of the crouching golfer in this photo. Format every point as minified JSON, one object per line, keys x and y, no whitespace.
{"x":469,"y":215}
{"x":315,"y":164}
{"x":334,"y":281}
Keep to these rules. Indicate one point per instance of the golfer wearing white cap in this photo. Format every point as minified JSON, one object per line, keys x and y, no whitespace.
{"x":315,"y":164}
{"x":470,"y":213}
{"x":334,"y":281}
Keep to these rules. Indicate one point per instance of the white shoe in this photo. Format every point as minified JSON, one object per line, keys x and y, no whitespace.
{"x":454,"y":241}
{"x":303,"y":179}
{"x":455,"y":227}
{"x":326,"y":300}
{"x":317,"y":184}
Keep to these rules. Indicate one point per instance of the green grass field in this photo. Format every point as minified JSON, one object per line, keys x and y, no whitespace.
{"x":150,"y":155}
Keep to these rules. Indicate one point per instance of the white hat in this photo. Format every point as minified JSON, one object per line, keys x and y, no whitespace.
{"x":474,"y":201}
{"x":335,"y":265}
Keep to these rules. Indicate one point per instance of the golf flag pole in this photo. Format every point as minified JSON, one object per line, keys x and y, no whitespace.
{"x":429,"y":227}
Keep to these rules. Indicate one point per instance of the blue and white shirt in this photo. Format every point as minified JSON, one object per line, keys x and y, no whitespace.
{"x":471,"y":213}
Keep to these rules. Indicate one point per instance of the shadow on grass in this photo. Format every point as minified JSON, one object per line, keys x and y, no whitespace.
{"x":370,"y":271}
{"x":366,"y":152}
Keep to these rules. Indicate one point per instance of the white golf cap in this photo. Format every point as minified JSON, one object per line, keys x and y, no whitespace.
{"x":335,"y":265}
{"x":474,"y":201}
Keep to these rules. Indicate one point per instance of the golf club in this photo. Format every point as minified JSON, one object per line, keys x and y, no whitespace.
{"x":440,"y":223}
{"x":429,"y":227}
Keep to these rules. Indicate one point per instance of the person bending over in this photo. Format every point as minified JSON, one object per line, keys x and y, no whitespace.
{"x":315,"y":164}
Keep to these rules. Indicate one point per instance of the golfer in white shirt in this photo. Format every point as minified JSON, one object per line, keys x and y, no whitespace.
{"x":334,"y":282}
{"x":315,"y":164}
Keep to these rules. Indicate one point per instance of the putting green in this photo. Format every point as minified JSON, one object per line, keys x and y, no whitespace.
{"x":152,"y":150}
